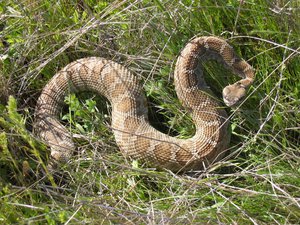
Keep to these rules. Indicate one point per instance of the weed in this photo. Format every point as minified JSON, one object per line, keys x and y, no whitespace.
{"x":257,"y":183}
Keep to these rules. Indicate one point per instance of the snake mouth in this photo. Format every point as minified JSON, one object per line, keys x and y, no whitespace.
{"x":231,"y":102}
{"x":233,"y":95}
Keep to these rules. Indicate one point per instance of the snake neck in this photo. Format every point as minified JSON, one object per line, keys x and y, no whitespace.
{"x":189,"y":82}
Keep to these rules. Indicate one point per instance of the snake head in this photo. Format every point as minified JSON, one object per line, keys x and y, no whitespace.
{"x":233,"y":94}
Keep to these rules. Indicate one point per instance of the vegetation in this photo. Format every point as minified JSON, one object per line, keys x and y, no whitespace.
{"x":257,"y":183}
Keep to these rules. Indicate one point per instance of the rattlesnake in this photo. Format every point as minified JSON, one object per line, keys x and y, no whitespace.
{"x":136,"y":138}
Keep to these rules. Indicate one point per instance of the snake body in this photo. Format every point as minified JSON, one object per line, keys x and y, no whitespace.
{"x":136,"y":138}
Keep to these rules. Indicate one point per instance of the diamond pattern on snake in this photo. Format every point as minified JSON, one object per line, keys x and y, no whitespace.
{"x":134,"y":135}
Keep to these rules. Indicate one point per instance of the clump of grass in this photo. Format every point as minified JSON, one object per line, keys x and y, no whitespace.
{"x":258,"y":182}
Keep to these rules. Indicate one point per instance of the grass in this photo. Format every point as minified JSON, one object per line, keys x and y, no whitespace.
{"x":257,"y":183}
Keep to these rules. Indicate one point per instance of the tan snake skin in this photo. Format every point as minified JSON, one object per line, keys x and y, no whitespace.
{"x":136,"y":138}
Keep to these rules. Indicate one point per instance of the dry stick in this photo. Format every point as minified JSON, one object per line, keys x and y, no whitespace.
{"x":236,"y":206}
{"x":271,"y":111}
{"x":35,"y":72}
{"x":237,"y":16}
{"x":297,"y":51}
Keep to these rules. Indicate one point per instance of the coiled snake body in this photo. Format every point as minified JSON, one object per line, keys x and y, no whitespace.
{"x":134,"y":135}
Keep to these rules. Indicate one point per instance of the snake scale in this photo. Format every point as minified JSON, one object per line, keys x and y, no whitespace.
{"x":136,"y":138}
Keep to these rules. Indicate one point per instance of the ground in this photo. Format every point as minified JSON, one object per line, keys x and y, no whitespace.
{"x":256,"y":183}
